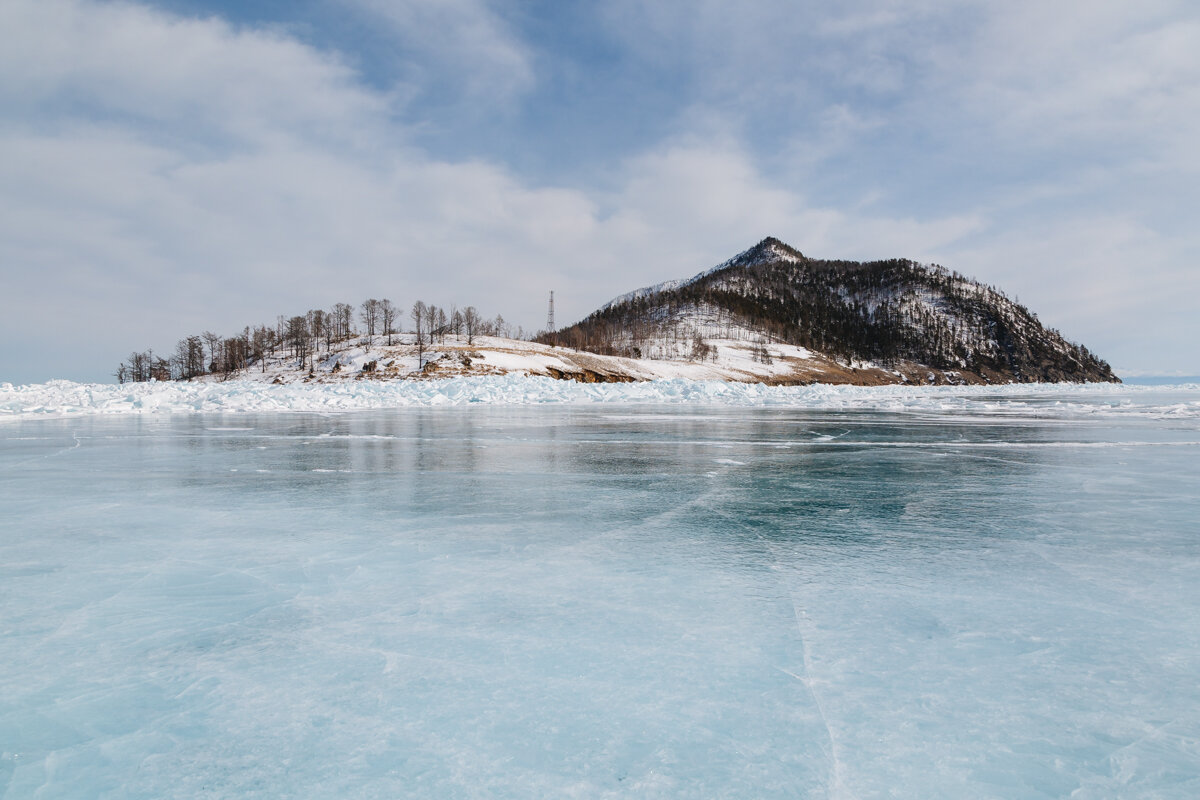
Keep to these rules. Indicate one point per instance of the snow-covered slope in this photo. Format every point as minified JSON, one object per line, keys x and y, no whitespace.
{"x":730,"y":355}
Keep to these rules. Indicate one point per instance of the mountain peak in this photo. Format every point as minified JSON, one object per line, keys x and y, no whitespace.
{"x":767,"y":251}
{"x":779,"y":248}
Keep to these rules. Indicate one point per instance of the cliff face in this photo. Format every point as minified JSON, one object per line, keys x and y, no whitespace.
{"x":895,"y":314}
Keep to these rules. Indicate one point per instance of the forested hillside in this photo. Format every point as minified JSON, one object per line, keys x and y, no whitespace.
{"x":887,"y":312}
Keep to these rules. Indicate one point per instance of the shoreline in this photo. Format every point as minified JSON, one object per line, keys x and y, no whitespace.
{"x":68,"y":399}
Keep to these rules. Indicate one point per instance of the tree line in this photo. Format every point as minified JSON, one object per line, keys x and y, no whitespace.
{"x":300,"y":339}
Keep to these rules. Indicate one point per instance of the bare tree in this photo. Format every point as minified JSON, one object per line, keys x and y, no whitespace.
{"x":370,"y":315}
{"x":441,"y":325}
{"x":331,"y":329}
{"x":431,"y":312}
{"x":387,"y":314}
{"x":189,"y":358}
{"x":297,"y":337}
{"x":214,"y":341}
{"x":419,"y":313}
{"x":471,"y":323}
{"x":236,"y":353}
{"x":343,"y":314}
{"x":430,"y":321}
{"x":316,"y":326}
{"x":260,"y":342}
{"x":160,"y":368}
{"x":138,"y":367}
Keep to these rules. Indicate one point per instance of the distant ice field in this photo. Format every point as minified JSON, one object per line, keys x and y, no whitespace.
{"x":811,"y":592}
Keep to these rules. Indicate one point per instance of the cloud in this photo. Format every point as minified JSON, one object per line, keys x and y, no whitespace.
{"x":1080,"y":81}
{"x":162,"y":176}
{"x":194,"y":78}
{"x":464,"y":41}
{"x":706,"y":198}
{"x":1102,"y":77}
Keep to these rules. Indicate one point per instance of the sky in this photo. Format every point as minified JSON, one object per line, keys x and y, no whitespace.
{"x":178,"y":166}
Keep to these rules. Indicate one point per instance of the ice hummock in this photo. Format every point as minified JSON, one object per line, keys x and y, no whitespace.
{"x":66,"y":398}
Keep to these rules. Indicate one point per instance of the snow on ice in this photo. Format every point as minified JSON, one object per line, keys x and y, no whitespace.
{"x":66,"y":398}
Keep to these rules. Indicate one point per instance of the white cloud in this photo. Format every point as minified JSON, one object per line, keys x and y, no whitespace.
{"x":1109,"y":76}
{"x":197,"y":78}
{"x":463,"y":38}
{"x":144,"y":197}
{"x":710,"y":197}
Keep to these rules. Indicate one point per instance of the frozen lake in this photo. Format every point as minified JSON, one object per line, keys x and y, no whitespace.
{"x":990,"y":597}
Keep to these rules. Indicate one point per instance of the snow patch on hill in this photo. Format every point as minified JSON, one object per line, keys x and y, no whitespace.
{"x":733,"y":354}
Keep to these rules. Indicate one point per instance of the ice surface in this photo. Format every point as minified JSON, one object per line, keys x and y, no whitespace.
{"x":946,"y":594}
{"x":59,"y":398}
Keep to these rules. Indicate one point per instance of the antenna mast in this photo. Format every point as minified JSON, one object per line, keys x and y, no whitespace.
{"x":550,"y":315}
